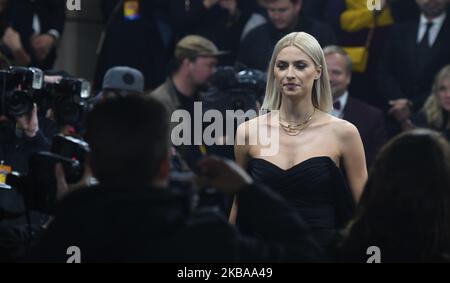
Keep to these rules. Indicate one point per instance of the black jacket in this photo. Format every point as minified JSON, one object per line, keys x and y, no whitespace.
{"x":134,"y":43}
{"x":399,"y":75}
{"x":156,"y":225}
{"x":420,"y":120}
{"x":257,"y":47}
{"x":15,"y":151}
{"x":16,"y":148}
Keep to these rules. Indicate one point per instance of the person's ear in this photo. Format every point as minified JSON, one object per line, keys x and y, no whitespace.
{"x":318,"y":73}
{"x":349,"y":77}
{"x":186,"y":63}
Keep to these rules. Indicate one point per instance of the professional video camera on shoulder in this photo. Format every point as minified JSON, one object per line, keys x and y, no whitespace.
{"x":17,"y":88}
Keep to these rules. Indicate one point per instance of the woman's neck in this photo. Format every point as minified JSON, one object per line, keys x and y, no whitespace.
{"x":296,"y":110}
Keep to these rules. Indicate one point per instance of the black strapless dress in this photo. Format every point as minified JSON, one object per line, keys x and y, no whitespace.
{"x":315,"y":188}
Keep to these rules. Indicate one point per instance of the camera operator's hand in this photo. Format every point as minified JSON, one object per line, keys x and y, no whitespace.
{"x":62,"y":188}
{"x":224,"y":175}
{"x":29,"y":123}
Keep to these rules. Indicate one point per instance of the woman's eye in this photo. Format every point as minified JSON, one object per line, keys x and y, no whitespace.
{"x":281,"y":66}
{"x":300,"y":66}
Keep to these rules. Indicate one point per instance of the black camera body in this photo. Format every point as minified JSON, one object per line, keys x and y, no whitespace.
{"x":68,"y":100}
{"x":39,"y":187}
{"x":75,"y":150}
{"x":17,"y":87}
{"x":235,"y":94}
{"x":21,"y":87}
{"x":234,"y":90}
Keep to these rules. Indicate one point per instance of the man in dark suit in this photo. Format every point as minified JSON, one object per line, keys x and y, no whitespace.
{"x":40,"y":24}
{"x":368,"y":119}
{"x":284,"y":17}
{"x":414,"y":53}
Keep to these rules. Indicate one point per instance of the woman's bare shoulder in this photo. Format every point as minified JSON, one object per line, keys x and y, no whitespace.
{"x":340,"y":127}
{"x":253,"y":123}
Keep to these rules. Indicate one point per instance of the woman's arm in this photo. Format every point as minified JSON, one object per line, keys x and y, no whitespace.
{"x":354,"y":159}
{"x":241,"y":145}
{"x":241,"y":154}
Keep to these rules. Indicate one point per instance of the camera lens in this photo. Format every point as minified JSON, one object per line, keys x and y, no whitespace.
{"x":18,"y":103}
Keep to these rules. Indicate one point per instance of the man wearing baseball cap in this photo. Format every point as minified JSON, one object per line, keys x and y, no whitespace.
{"x":122,"y":80}
{"x":195,"y":61}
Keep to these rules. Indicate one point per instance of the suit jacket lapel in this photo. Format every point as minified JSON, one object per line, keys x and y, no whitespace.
{"x":441,"y":40}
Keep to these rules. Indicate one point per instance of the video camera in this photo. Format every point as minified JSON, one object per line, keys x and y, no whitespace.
{"x":235,"y":95}
{"x":234,"y":90}
{"x":21,"y":87}
{"x":17,"y":87}
{"x":68,"y":99}
{"x":38,"y":187}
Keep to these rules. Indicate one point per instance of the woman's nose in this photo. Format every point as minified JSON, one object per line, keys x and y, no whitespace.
{"x":290,"y":74}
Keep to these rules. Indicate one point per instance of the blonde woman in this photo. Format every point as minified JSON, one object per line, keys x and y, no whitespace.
{"x":436,"y":111}
{"x":313,"y":145}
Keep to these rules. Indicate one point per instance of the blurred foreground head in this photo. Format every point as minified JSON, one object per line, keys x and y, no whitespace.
{"x":405,"y":208}
{"x":129,"y":141}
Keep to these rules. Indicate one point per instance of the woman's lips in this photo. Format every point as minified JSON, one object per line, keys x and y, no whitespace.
{"x":291,"y":85}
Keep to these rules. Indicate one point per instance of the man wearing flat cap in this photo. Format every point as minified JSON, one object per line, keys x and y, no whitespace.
{"x":194,"y":63}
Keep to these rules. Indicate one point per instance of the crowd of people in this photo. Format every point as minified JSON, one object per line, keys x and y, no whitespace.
{"x":358,"y":99}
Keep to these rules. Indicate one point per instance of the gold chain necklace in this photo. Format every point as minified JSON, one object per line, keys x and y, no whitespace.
{"x":293,"y":130}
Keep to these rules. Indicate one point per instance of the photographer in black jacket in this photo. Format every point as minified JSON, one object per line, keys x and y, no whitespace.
{"x":133,"y":216}
{"x":18,"y":140}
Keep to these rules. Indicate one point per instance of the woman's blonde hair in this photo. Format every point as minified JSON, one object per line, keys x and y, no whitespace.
{"x":321,"y":93}
{"x":432,"y":108}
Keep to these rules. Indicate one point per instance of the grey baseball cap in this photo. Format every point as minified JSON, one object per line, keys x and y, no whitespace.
{"x":123,"y":78}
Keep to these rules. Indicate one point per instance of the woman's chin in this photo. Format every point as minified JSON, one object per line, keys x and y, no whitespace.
{"x":295,"y":93}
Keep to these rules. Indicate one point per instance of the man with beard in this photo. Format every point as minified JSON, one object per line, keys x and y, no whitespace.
{"x":194,"y":63}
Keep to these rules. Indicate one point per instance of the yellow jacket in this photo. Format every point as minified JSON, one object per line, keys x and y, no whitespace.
{"x":358,"y":16}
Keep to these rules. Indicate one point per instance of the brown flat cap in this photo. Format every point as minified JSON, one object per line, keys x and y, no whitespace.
{"x":192,"y":46}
